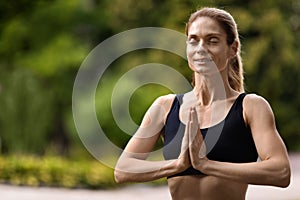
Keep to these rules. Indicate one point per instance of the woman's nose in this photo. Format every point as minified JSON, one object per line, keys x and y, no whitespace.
{"x":201,"y":48}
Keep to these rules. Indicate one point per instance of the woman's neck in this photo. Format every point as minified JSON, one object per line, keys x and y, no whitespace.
{"x":213,"y":87}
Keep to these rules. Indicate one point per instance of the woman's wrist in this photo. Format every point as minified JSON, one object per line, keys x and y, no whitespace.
{"x":180,"y":165}
{"x":203,"y":165}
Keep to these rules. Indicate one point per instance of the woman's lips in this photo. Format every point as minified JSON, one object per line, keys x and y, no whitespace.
{"x":202,"y":60}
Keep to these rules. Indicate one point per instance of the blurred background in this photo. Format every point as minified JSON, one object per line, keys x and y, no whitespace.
{"x":43,"y":43}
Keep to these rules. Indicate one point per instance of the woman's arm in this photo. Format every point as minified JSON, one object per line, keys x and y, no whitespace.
{"x":273,"y":169}
{"x":132,"y":165}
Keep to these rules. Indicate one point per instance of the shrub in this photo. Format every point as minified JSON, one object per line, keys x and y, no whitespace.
{"x":54,"y":171}
{"x":57,"y":172}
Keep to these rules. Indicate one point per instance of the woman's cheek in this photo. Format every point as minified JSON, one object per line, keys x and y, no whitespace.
{"x":189,"y":53}
{"x":190,"y":59}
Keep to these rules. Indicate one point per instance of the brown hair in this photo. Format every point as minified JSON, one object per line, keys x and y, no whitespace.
{"x":226,"y":21}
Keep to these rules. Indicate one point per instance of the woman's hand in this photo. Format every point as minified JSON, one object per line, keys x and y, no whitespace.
{"x":197,"y":148}
{"x":184,"y":161}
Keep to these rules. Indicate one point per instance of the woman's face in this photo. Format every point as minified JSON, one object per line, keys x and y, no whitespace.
{"x":207,"y":48}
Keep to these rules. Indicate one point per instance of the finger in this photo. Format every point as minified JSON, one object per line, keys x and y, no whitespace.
{"x":190,"y":114}
{"x":193,"y":125}
{"x":194,"y":115}
{"x":190,"y":127}
{"x":202,"y":151}
{"x":200,"y":136}
{"x":185,"y":139}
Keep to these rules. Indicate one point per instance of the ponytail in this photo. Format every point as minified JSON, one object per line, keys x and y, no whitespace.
{"x":236,"y":73}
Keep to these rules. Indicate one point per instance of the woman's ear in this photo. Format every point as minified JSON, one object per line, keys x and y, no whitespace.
{"x":234,"y":49}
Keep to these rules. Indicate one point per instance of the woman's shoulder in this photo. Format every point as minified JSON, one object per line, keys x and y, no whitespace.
{"x":256,"y":104}
{"x":165,"y":99}
{"x":253,"y":99}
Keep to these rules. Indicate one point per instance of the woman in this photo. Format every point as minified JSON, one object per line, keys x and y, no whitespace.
{"x":237,"y":128}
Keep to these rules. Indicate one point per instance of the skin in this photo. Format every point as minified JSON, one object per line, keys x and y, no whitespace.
{"x":208,"y":56}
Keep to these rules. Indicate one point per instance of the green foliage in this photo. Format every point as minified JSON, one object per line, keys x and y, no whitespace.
{"x":62,"y":50}
{"x":25,"y":116}
{"x":54,"y":171}
{"x":270,"y":60}
{"x":42,"y":44}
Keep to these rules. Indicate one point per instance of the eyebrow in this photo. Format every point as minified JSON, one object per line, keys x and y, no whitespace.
{"x":208,"y":35}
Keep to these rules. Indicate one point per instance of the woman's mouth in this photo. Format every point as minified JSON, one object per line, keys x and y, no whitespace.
{"x":202,"y":60}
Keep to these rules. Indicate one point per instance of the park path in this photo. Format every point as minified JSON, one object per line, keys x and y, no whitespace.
{"x":141,"y":191}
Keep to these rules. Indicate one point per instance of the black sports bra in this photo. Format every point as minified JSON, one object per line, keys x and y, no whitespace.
{"x":228,"y":141}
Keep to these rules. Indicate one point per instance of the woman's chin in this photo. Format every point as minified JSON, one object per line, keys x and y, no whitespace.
{"x":204,"y":70}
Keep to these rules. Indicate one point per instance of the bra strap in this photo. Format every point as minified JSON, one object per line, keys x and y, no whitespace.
{"x":179,"y":97}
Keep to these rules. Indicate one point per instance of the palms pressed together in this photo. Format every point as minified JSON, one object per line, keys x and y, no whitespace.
{"x":193,"y":149}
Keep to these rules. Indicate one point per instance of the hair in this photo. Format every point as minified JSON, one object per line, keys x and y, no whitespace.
{"x":226,"y":21}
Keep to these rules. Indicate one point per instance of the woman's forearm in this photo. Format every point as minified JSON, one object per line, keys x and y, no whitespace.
{"x":136,"y":170}
{"x":267,"y":172}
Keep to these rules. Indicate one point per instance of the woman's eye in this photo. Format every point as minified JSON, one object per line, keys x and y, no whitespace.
{"x":213,"y":40}
{"x":192,"y":41}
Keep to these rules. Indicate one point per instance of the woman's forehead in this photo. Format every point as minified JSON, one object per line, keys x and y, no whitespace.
{"x":204,"y":26}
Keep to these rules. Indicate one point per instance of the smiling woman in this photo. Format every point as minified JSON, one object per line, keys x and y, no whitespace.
{"x":225,"y":26}
{"x":207,"y":46}
{"x":214,"y":134}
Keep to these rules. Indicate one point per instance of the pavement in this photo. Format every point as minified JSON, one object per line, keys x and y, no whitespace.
{"x":146,"y":192}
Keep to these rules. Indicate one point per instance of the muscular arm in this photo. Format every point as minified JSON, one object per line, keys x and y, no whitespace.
{"x":132,"y":165}
{"x":273,"y":169}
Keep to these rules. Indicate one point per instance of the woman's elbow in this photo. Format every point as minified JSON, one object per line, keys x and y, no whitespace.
{"x":284,"y":177}
{"x":120,"y":176}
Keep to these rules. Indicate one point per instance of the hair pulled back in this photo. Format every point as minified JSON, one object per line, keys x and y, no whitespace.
{"x":226,"y":21}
